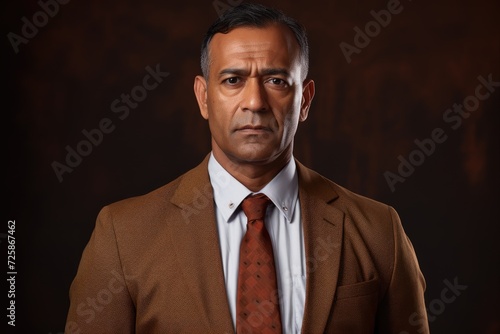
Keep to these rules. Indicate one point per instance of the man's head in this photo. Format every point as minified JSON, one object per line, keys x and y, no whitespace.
{"x":254,"y":92}
{"x":258,"y":16}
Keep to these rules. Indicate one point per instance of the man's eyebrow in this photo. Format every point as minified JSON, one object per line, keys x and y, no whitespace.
{"x":234,"y":71}
{"x":274,"y":71}
{"x":266,"y":71}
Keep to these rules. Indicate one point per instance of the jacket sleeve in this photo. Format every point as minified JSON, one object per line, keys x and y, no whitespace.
{"x":403,"y":307}
{"x":99,"y":297}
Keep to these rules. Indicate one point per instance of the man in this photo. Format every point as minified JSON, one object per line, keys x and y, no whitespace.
{"x":192,"y":256}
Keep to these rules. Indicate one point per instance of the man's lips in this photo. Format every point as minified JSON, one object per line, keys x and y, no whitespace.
{"x":255,"y":128}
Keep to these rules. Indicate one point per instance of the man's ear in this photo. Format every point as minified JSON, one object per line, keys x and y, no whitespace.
{"x":308,"y":91}
{"x":200,"y":90}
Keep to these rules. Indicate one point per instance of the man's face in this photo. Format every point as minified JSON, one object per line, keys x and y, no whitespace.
{"x":254,"y":97}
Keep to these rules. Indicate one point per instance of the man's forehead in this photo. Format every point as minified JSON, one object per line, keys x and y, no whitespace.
{"x":255,"y":41}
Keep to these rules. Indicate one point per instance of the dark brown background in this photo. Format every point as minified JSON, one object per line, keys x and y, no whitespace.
{"x":364,"y":116}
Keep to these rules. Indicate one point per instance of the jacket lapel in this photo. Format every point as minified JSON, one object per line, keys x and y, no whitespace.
{"x":197,"y":247}
{"x":323,"y":228}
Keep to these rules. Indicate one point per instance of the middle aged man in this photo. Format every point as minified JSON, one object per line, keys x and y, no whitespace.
{"x":250,"y":240}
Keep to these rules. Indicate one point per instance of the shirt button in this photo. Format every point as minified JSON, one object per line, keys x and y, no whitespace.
{"x":284,"y":208}
{"x":231,"y":205}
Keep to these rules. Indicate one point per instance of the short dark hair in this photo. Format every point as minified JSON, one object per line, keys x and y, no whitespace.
{"x":254,"y":15}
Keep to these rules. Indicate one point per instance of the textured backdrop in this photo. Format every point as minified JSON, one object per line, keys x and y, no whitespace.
{"x":385,"y":122}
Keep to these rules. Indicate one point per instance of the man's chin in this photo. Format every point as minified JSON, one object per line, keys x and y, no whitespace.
{"x":255,"y":156}
{"x":251,"y":157}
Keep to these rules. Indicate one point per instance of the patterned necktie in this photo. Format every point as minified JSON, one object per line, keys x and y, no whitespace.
{"x":257,"y":303}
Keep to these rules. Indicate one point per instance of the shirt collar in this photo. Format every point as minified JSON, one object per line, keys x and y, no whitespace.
{"x":282,"y":190}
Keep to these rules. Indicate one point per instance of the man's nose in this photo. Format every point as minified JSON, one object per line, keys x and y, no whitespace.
{"x":254,"y":96}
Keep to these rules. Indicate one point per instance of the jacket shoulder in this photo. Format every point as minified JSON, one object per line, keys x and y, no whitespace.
{"x":344,"y":199}
{"x":158,"y":202}
{"x":353,"y":201}
{"x":140,"y":205}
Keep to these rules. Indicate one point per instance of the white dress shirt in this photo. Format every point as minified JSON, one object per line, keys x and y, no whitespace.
{"x":283,"y":222}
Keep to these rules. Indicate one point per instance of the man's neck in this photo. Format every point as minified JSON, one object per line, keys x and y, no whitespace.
{"x":254,"y":176}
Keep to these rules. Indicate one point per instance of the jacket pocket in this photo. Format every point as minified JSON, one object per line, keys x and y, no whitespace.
{"x":357,"y":289}
{"x":354,"y":308}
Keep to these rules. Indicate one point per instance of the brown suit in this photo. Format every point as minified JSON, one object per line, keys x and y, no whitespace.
{"x":153,"y":264}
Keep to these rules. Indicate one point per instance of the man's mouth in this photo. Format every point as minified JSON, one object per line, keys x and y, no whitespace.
{"x":254,"y":128}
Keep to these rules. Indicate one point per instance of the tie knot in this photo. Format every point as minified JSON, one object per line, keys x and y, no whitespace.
{"x":254,"y":206}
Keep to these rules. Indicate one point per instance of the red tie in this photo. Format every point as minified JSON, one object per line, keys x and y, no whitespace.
{"x":257,"y":303}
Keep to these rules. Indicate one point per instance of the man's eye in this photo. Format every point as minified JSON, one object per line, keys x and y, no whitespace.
{"x":232,"y":80}
{"x":278,"y":82}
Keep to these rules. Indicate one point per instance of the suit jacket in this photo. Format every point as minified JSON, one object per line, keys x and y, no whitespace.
{"x":153,"y":264}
